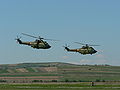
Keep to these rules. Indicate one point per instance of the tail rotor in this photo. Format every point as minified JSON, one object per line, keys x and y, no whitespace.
{"x":66,"y":47}
{"x":18,"y":40}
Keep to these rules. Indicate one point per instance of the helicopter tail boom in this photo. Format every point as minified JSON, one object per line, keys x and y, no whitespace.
{"x":25,"y":43}
{"x":72,"y":50}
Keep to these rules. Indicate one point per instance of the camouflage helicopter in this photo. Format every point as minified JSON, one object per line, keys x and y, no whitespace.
{"x":39,"y":43}
{"x":86,"y":49}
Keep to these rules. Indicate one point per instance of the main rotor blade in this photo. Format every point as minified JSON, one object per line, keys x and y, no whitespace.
{"x":80,"y":43}
{"x":93,"y":45}
{"x":86,"y":44}
{"x":39,"y":37}
{"x":52,"y":39}
{"x":29,"y":35}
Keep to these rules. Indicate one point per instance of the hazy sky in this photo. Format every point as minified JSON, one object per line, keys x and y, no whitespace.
{"x":85,"y":21}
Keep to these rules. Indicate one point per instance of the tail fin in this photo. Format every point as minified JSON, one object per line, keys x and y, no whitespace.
{"x":67,"y":48}
{"x":19,"y":41}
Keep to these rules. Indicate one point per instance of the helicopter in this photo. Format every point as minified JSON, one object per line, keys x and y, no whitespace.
{"x":39,"y":43}
{"x":86,"y":49}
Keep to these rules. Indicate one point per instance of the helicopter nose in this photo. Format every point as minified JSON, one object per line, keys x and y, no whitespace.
{"x":49,"y":46}
{"x":95,"y":51}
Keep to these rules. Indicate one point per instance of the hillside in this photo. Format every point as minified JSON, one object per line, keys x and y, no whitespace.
{"x":56,"y":71}
{"x":31,"y":67}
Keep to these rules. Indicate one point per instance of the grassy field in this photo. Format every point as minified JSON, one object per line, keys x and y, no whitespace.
{"x":67,"y":76}
{"x":57,"y":87}
{"x":65,"y":72}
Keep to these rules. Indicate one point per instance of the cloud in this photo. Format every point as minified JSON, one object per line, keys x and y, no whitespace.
{"x":74,"y":62}
{"x":90,"y":61}
{"x":97,"y":61}
{"x":100,"y":56}
{"x":84,"y":61}
{"x":65,"y":57}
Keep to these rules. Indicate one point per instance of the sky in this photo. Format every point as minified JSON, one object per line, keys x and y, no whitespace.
{"x":84,"y":21}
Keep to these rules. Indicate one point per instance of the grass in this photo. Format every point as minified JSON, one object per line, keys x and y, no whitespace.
{"x":27,"y":75}
{"x":82,"y":86}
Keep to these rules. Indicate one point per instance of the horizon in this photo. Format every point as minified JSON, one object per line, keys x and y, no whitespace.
{"x":60,"y":62}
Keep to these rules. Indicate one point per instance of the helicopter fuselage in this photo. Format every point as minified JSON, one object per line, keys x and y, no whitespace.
{"x":41,"y":45}
{"x":88,"y":50}
{"x":84,"y":51}
{"x":38,"y":44}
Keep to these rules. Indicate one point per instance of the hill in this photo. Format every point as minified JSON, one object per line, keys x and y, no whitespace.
{"x":56,"y":71}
